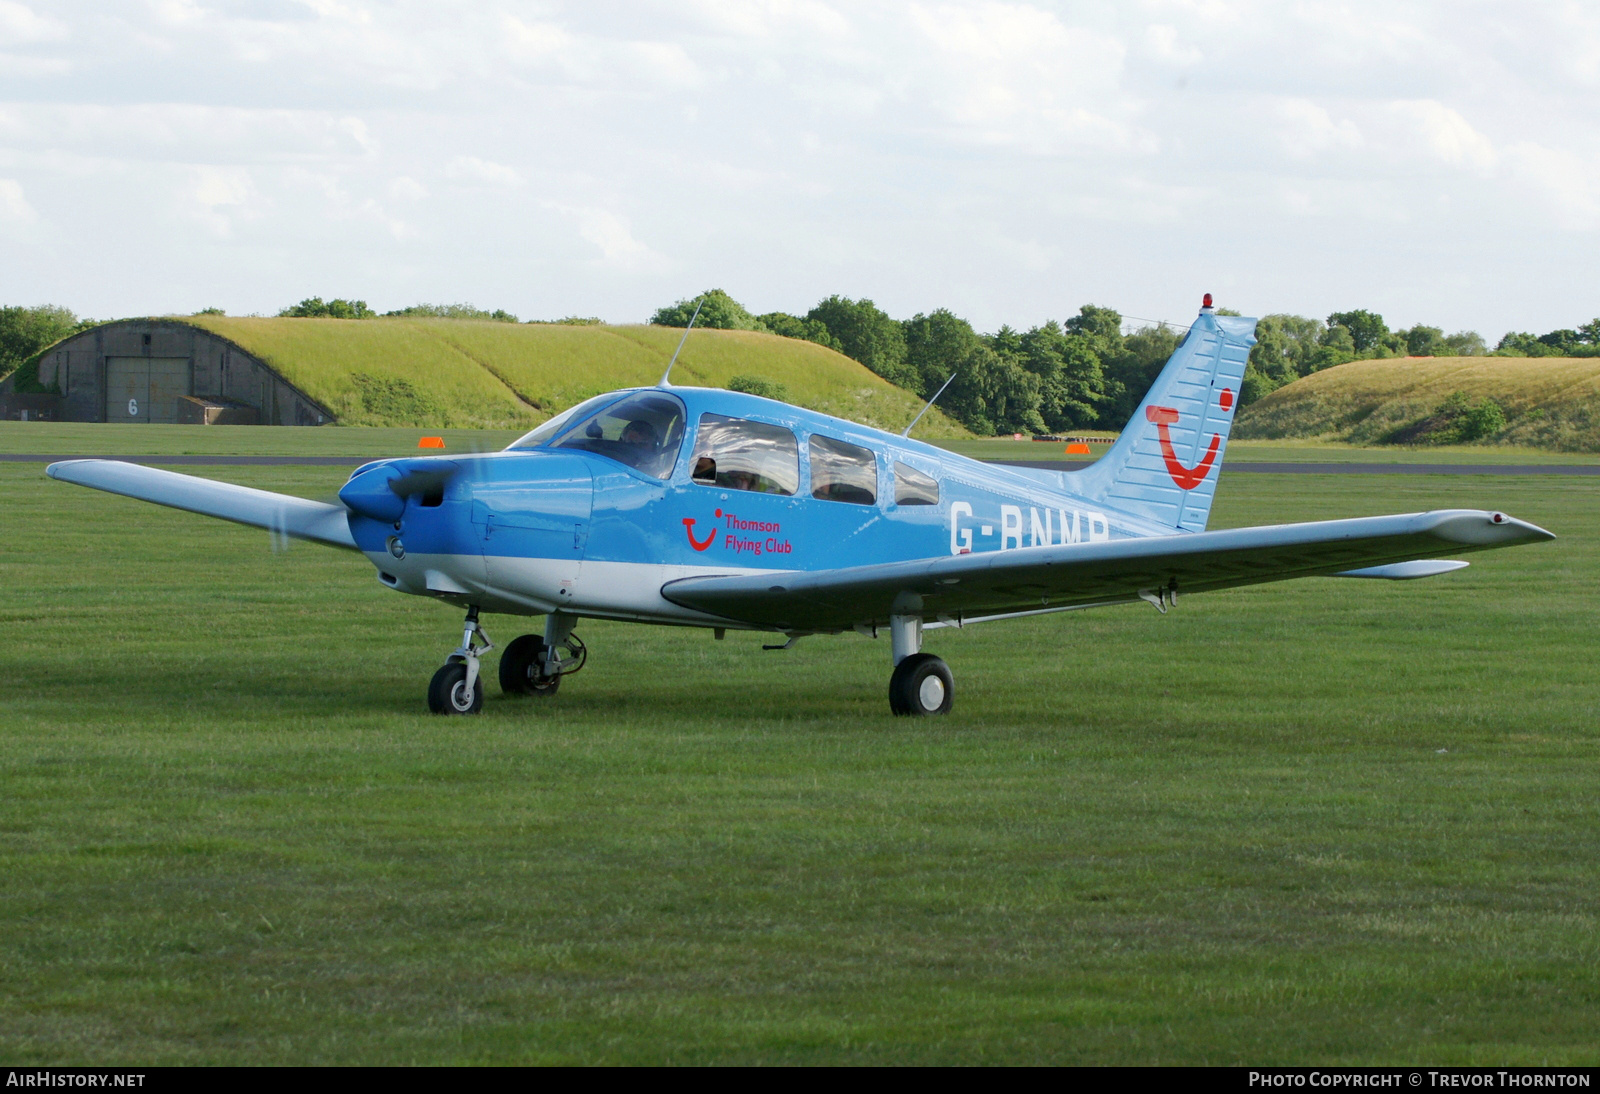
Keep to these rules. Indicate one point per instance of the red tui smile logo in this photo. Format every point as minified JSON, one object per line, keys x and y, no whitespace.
{"x":699,"y":545}
{"x":1164,"y":417}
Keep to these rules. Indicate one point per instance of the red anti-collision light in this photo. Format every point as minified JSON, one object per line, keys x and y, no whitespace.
{"x":1206,"y":303}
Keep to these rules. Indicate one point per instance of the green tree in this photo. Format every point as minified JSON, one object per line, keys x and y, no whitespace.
{"x":1131,"y":366}
{"x":989,"y":394}
{"x":865,"y":332}
{"x":1367,"y":329}
{"x":1589,"y":333}
{"x":1102,"y":326}
{"x":1423,"y":341}
{"x":1334,"y":347}
{"x":793,"y":326}
{"x":1460,"y":419}
{"x":453,"y":311}
{"x":1285,"y":350}
{"x":718,"y":310}
{"x":1562,"y":341}
{"x":1522,"y":344}
{"x":1071,"y":381}
{"x":1465,"y":343}
{"x":314,"y":307}
{"x":24,"y":332}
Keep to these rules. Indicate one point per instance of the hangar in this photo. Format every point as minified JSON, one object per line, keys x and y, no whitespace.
{"x":159,"y":370}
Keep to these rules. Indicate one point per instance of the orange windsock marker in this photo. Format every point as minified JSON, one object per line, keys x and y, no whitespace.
{"x":431,"y":442}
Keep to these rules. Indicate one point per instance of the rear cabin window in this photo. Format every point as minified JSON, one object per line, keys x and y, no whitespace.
{"x":912,"y":487}
{"x":843,"y":472}
{"x":738,"y":454}
{"x":643,"y":431}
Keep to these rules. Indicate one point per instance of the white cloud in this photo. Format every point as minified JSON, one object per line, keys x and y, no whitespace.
{"x":221,"y":196}
{"x":407,"y":189}
{"x":1010,"y":74}
{"x":1163,"y":42}
{"x":14,"y":205}
{"x":613,"y":236}
{"x":485,"y":172}
{"x":19,"y":25}
{"x":1446,"y":134}
{"x":1308,"y":129}
{"x":1568,"y":184}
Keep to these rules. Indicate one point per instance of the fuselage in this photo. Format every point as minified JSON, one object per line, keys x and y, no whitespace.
{"x":569,"y":523}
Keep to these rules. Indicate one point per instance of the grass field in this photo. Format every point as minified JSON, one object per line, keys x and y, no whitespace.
{"x":1550,"y":403}
{"x":465,"y":374}
{"x":1317,"y":822}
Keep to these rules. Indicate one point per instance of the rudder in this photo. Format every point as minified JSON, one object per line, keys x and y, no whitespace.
{"x":1164,"y":466}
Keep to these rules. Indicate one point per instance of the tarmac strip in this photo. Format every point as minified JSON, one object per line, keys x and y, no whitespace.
{"x":202,"y":461}
{"x":1238,"y":467}
{"x":1246,"y":467}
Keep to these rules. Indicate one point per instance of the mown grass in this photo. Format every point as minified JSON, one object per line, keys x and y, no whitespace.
{"x":1317,"y":822}
{"x":1551,"y":403}
{"x":458,"y":373}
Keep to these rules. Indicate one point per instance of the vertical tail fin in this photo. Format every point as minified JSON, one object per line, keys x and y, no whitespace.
{"x":1164,"y":466}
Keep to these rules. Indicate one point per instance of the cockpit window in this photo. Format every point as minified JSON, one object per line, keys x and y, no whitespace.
{"x":555,"y":425}
{"x":737,"y":454}
{"x":843,"y":472}
{"x":644,"y":431}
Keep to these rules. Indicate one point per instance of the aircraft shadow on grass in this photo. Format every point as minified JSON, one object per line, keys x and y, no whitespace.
{"x":706,"y":508}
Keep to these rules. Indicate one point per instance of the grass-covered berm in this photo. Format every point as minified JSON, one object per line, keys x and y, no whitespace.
{"x":1319,"y":822}
{"x":477,"y":374}
{"x":1551,"y":403}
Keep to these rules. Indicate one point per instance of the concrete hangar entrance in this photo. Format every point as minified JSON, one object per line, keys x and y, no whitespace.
{"x":146,"y":389}
{"x":143,"y":371}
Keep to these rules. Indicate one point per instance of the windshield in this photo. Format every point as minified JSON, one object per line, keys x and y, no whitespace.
{"x":555,"y":425}
{"x":643,"y":431}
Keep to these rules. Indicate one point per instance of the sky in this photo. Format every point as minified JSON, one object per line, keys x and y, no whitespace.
{"x":1435,"y":162}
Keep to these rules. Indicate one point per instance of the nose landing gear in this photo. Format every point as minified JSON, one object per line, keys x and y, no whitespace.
{"x":457,"y":688}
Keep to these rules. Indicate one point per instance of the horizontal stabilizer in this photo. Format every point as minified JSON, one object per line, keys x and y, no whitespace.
{"x":280,"y":513}
{"x":1408,"y":571}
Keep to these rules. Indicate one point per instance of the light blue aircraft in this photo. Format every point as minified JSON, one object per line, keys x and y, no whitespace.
{"x":706,"y":508}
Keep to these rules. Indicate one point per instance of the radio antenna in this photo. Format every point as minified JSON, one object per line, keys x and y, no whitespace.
{"x":929,"y":407}
{"x":681,"y":341}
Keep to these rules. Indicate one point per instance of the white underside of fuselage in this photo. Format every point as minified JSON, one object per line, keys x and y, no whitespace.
{"x":538,"y":586}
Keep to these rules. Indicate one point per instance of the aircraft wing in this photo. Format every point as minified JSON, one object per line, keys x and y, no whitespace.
{"x":995,"y":583}
{"x":279,"y":513}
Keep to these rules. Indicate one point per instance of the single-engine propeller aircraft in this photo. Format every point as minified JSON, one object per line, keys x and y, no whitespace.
{"x":707,"y":508}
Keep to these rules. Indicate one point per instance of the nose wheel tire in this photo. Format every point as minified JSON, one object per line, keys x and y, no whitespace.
{"x":522,"y":669}
{"x":921,"y":685}
{"x":448,"y":692}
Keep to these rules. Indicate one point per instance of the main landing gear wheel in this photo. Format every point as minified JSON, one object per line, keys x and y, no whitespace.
{"x":921,"y":685}
{"x":522,"y":668}
{"x":450,"y":693}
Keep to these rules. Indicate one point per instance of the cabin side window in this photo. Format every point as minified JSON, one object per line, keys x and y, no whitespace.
{"x":643,"y":431}
{"x":738,"y":454}
{"x":843,"y":472}
{"x":912,"y":487}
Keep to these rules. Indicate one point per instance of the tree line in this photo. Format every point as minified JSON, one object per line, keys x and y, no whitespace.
{"x":1084,"y":372}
